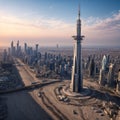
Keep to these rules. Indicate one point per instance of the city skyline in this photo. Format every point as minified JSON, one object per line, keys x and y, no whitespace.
{"x":52,"y":22}
{"x":56,"y":67}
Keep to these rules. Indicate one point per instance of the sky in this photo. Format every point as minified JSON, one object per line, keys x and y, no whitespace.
{"x":51,"y":22}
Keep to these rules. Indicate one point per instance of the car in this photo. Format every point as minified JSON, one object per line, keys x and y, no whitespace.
{"x":33,"y":83}
{"x":39,"y":94}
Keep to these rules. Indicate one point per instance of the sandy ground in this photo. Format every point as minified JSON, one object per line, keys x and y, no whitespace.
{"x":83,"y":112}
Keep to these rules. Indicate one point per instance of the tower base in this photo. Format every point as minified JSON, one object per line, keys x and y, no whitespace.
{"x":85,"y":92}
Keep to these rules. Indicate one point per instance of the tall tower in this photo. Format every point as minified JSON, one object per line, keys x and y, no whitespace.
{"x":12,"y":48}
{"x":25,"y":47}
{"x":17,"y":45}
{"x":18,"y":48}
{"x":36,"y":48}
{"x":77,"y":81}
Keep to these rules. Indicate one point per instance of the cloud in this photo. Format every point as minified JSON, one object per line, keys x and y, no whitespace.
{"x":106,"y":23}
{"x":97,"y":31}
{"x":109,"y":23}
{"x":40,"y":22}
{"x":102,"y":31}
{"x":44,"y":30}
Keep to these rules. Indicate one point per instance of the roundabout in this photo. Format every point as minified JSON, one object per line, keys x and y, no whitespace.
{"x":85,"y":93}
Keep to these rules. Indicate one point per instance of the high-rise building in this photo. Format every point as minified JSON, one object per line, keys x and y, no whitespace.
{"x":119,"y":75}
{"x":88,"y":62}
{"x":4,"y":55}
{"x":77,"y":81}
{"x":9,"y":51}
{"x":118,"y":83}
{"x":102,"y":77}
{"x":17,"y":45}
{"x":102,"y":71}
{"x":12,"y":48}
{"x":25,"y":47}
{"x":108,"y":59}
{"x":36,"y":49}
{"x":92,"y":68}
{"x":104,"y":62}
{"x":110,"y":79}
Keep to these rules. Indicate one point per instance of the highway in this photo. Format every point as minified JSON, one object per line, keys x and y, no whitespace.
{"x":28,"y":87}
{"x":25,"y":73}
{"x":22,"y":105}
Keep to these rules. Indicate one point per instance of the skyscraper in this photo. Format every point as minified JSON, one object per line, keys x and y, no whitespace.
{"x":102,"y":77}
{"x":25,"y":47}
{"x":5,"y":55}
{"x":119,"y":75}
{"x":92,"y":68}
{"x":110,"y":79}
{"x":12,"y":48}
{"x":18,"y":45}
{"x":118,"y":83}
{"x":102,"y":71}
{"x":36,"y":48}
{"x":104,"y":63}
{"x":77,"y":81}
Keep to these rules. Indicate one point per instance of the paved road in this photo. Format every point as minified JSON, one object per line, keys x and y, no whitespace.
{"x":23,"y":106}
{"x":25,"y":73}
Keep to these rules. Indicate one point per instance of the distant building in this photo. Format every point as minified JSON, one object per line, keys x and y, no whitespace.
{"x":17,"y":50}
{"x":57,"y":46}
{"x":25,"y":47}
{"x":30,"y":51}
{"x":36,"y":48}
{"x":118,"y":83}
{"x":12,"y":47}
{"x":104,"y":63}
{"x":119,"y":75}
{"x":88,"y":62}
{"x":102,"y":77}
{"x":92,"y":68}
{"x":8,"y":51}
{"x":110,"y":78}
{"x":13,"y":51}
{"x":108,"y":59}
{"x":4,"y":55}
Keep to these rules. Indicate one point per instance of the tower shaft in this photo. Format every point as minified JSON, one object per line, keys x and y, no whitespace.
{"x":77,"y":81}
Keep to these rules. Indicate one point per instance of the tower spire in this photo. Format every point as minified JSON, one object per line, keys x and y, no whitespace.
{"x":79,"y":11}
